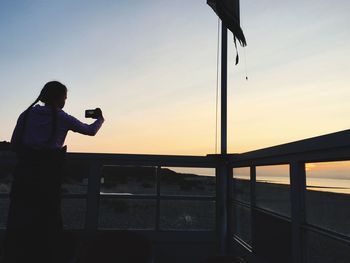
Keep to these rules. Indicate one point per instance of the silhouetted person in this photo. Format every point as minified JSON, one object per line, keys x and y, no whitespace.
{"x":34,"y":226}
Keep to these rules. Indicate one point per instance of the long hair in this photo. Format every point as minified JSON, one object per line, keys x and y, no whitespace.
{"x":49,"y":94}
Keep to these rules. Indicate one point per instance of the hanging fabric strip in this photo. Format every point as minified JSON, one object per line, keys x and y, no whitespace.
{"x":237,"y":56}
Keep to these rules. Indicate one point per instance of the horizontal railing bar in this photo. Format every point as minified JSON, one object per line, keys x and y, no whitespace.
{"x":189,"y":198}
{"x":151,"y":160}
{"x":327,"y":233}
{"x":325,"y":142}
{"x":181,"y":236}
{"x":130,"y":159}
{"x":241,"y":203}
{"x":155,"y":197}
{"x":165,"y":230}
{"x":272,"y":213}
{"x":321,"y":156}
{"x":261,"y":162}
{"x":136,"y":196}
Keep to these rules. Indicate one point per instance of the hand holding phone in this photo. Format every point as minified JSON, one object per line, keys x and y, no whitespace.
{"x":94,"y":114}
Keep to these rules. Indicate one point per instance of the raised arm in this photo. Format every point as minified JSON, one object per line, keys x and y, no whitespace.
{"x":88,"y":129}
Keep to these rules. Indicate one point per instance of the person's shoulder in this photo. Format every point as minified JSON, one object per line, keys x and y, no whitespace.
{"x":65,"y":116}
{"x":22,"y":115}
{"x":25,"y":112}
{"x":62,"y":114}
{"x":40,"y":110}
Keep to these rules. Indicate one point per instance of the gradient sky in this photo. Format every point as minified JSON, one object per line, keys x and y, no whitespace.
{"x":151,"y":66}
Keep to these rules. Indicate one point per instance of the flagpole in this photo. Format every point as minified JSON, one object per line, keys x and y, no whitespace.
{"x":223,"y":172}
{"x":223,"y":89}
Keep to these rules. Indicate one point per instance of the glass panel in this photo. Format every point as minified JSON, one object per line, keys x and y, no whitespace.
{"x":75,"y":177}
{"x":4,"y":208}
{"x":328,"y":195}
{"x":242,"y":223}
{"x":272,"y":237}
{"x":273,"y":188}
{"x":322,"y":249}
{"x":127,"y":214}
{"x":128,"y":179}
{"x":73,"y":213}
{"x":187,"y":181}
{"x":187,"y":215}
{"x":241,"y":184}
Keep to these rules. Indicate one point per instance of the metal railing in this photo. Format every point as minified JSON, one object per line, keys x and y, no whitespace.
{"x":96,"y":162}
{"x":327,"y":148}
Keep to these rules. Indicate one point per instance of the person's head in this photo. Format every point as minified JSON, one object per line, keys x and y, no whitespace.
{"x":54,"y":94}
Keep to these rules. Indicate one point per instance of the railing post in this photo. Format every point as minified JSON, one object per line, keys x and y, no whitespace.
{"x":93,"y":194}
{"x":298,"y":184}
{"x":230,"y":215}
{"x":158,"y":174}
{"x":222,"y":206}
{"x":253,"y":205}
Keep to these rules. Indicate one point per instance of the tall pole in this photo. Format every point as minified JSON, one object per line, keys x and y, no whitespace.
{"x":222,"y":173}
{"x":223,"y":89}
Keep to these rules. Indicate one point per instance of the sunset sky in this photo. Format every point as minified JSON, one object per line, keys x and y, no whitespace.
{"x":151,"y":67}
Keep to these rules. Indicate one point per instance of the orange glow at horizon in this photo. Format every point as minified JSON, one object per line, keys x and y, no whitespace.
{"x":310,"y":166}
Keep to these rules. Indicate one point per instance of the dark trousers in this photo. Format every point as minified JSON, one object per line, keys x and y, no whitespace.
{"x":34,"y":229}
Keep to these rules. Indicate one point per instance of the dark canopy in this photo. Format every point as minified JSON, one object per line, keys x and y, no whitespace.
{"x":228,"y":12}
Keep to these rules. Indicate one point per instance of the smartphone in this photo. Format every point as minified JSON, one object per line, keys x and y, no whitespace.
{"x":92,"y":114}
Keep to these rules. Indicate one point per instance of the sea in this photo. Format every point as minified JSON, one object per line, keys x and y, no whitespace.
{"x":333,"y":185}
{"x":336,"y":184}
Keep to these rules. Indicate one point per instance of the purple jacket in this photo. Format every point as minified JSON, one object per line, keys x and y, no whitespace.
{"x":39,"y":125}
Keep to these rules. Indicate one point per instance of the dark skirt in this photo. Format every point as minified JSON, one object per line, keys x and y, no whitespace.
{"x":34,"y":227}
